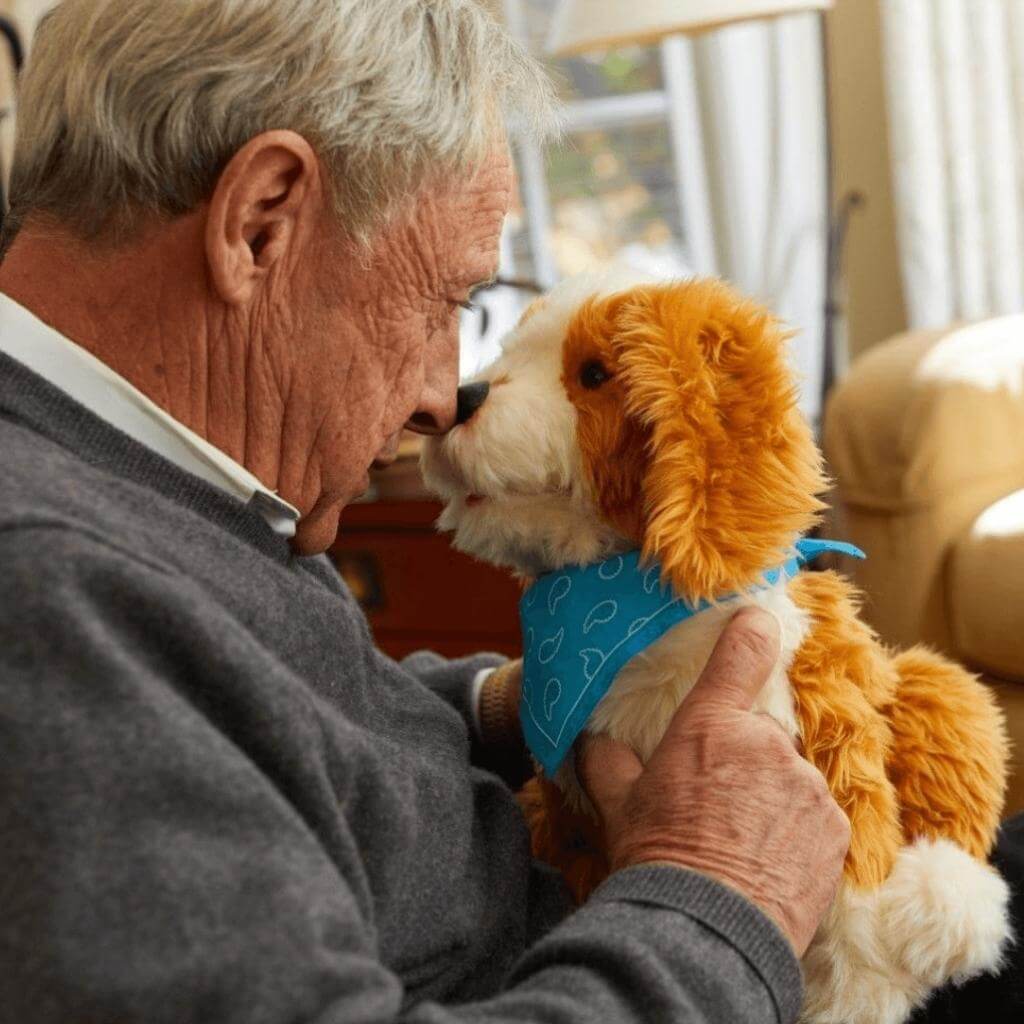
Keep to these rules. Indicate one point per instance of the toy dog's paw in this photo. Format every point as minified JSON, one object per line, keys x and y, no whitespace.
{"x":940,"y":916}
{"x":944,"y":913}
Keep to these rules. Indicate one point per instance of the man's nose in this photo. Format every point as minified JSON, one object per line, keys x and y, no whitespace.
{"x":435,"y":410}
{"x":470,"y":398}
{"x":436,"y":415}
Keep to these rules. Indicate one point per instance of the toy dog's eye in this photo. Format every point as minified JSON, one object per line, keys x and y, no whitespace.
{"x":593,"y":374}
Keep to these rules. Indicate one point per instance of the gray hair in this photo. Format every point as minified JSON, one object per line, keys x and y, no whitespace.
{"x":134,"y":108}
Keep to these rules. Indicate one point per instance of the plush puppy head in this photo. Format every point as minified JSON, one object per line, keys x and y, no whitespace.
{"x":658,"y":416}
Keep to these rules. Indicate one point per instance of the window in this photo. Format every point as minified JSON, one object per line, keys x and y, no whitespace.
{"x":614,"y":186}
{"x":701,"y":155}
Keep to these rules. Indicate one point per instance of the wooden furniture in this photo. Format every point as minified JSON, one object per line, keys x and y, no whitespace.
{"x":418,"y":592}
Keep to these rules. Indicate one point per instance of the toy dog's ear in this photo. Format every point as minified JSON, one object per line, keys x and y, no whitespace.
{"x":732,"y":469}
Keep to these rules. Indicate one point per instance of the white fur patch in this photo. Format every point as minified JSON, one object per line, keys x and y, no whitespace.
{"x":940,"y":915}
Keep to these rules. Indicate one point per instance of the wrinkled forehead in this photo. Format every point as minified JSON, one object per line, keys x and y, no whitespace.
{"x":462,"y":221}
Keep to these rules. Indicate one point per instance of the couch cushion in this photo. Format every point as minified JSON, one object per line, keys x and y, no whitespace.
{"x":986,"y":589}
{"x":924,"y":414}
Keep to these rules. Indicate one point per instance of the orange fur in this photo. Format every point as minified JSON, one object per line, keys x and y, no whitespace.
{"x":844,"y":686}
{"x":949,"y":753}
{"x":612,"y":444}
{"x":695,"y":450}
{"x":734,"y":471}
{"x":700,"y":381}
{"x":912,"y":745}
{"x":567,"y":841}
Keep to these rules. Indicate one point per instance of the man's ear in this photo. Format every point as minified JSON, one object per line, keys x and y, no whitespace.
{"x":263,"y":205}
{"x":733,"y":470}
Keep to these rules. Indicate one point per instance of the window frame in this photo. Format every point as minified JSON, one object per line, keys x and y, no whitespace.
{"x":675,"y":104}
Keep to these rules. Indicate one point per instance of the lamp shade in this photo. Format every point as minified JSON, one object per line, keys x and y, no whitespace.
{"x":581,"y":25}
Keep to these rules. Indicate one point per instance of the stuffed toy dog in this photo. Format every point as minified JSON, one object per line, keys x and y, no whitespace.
{"x":637,"y":456}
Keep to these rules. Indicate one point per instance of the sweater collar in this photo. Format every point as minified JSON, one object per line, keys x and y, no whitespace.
{"x":34,"y":403}
{"x":111,"y":398}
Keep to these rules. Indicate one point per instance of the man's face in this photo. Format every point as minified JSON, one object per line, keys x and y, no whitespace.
{"x":380,"y":342}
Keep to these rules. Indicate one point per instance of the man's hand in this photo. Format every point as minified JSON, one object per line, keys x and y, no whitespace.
{"x":726,"y":793}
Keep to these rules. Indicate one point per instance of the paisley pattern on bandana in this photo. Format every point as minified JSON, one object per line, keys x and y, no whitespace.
{"x":580,"y":626}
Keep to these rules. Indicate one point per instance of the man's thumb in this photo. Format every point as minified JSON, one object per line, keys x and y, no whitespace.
{"x":608,"y":769}
{"x":740,"y":664}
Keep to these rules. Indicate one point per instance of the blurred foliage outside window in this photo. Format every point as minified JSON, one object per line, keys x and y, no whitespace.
{"x":606,"y":191}
{"x":612,"y":190}
{"x":612,"y":194}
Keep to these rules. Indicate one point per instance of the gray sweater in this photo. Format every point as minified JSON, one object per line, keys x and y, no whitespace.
{"x":221,"y":803}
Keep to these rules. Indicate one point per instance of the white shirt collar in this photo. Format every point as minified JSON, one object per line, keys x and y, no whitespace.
{"x":109,"y":396}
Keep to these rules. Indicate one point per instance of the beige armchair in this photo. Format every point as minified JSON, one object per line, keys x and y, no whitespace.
{"x":925,"y":438}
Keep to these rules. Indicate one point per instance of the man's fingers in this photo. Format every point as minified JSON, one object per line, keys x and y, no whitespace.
{"x":740,"y":664}
{"x":608,"y":769}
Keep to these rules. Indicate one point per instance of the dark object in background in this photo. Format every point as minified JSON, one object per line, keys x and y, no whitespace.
{"x":418,"y":592}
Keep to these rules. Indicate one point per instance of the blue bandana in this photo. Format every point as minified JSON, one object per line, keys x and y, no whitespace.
{"x":583,"y":623}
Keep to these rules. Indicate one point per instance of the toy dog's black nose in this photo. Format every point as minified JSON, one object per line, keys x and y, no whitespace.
{"x":470,"y":398}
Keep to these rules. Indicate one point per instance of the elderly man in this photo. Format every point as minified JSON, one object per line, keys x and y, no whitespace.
{"x":239,"y":240}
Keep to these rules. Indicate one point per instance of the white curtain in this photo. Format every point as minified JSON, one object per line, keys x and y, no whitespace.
{"x":955,"y":77}
{"x":751,"y":139}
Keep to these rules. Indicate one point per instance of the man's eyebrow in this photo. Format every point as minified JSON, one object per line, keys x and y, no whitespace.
{"x":467,"y":303}
{"x":480,"y":285}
